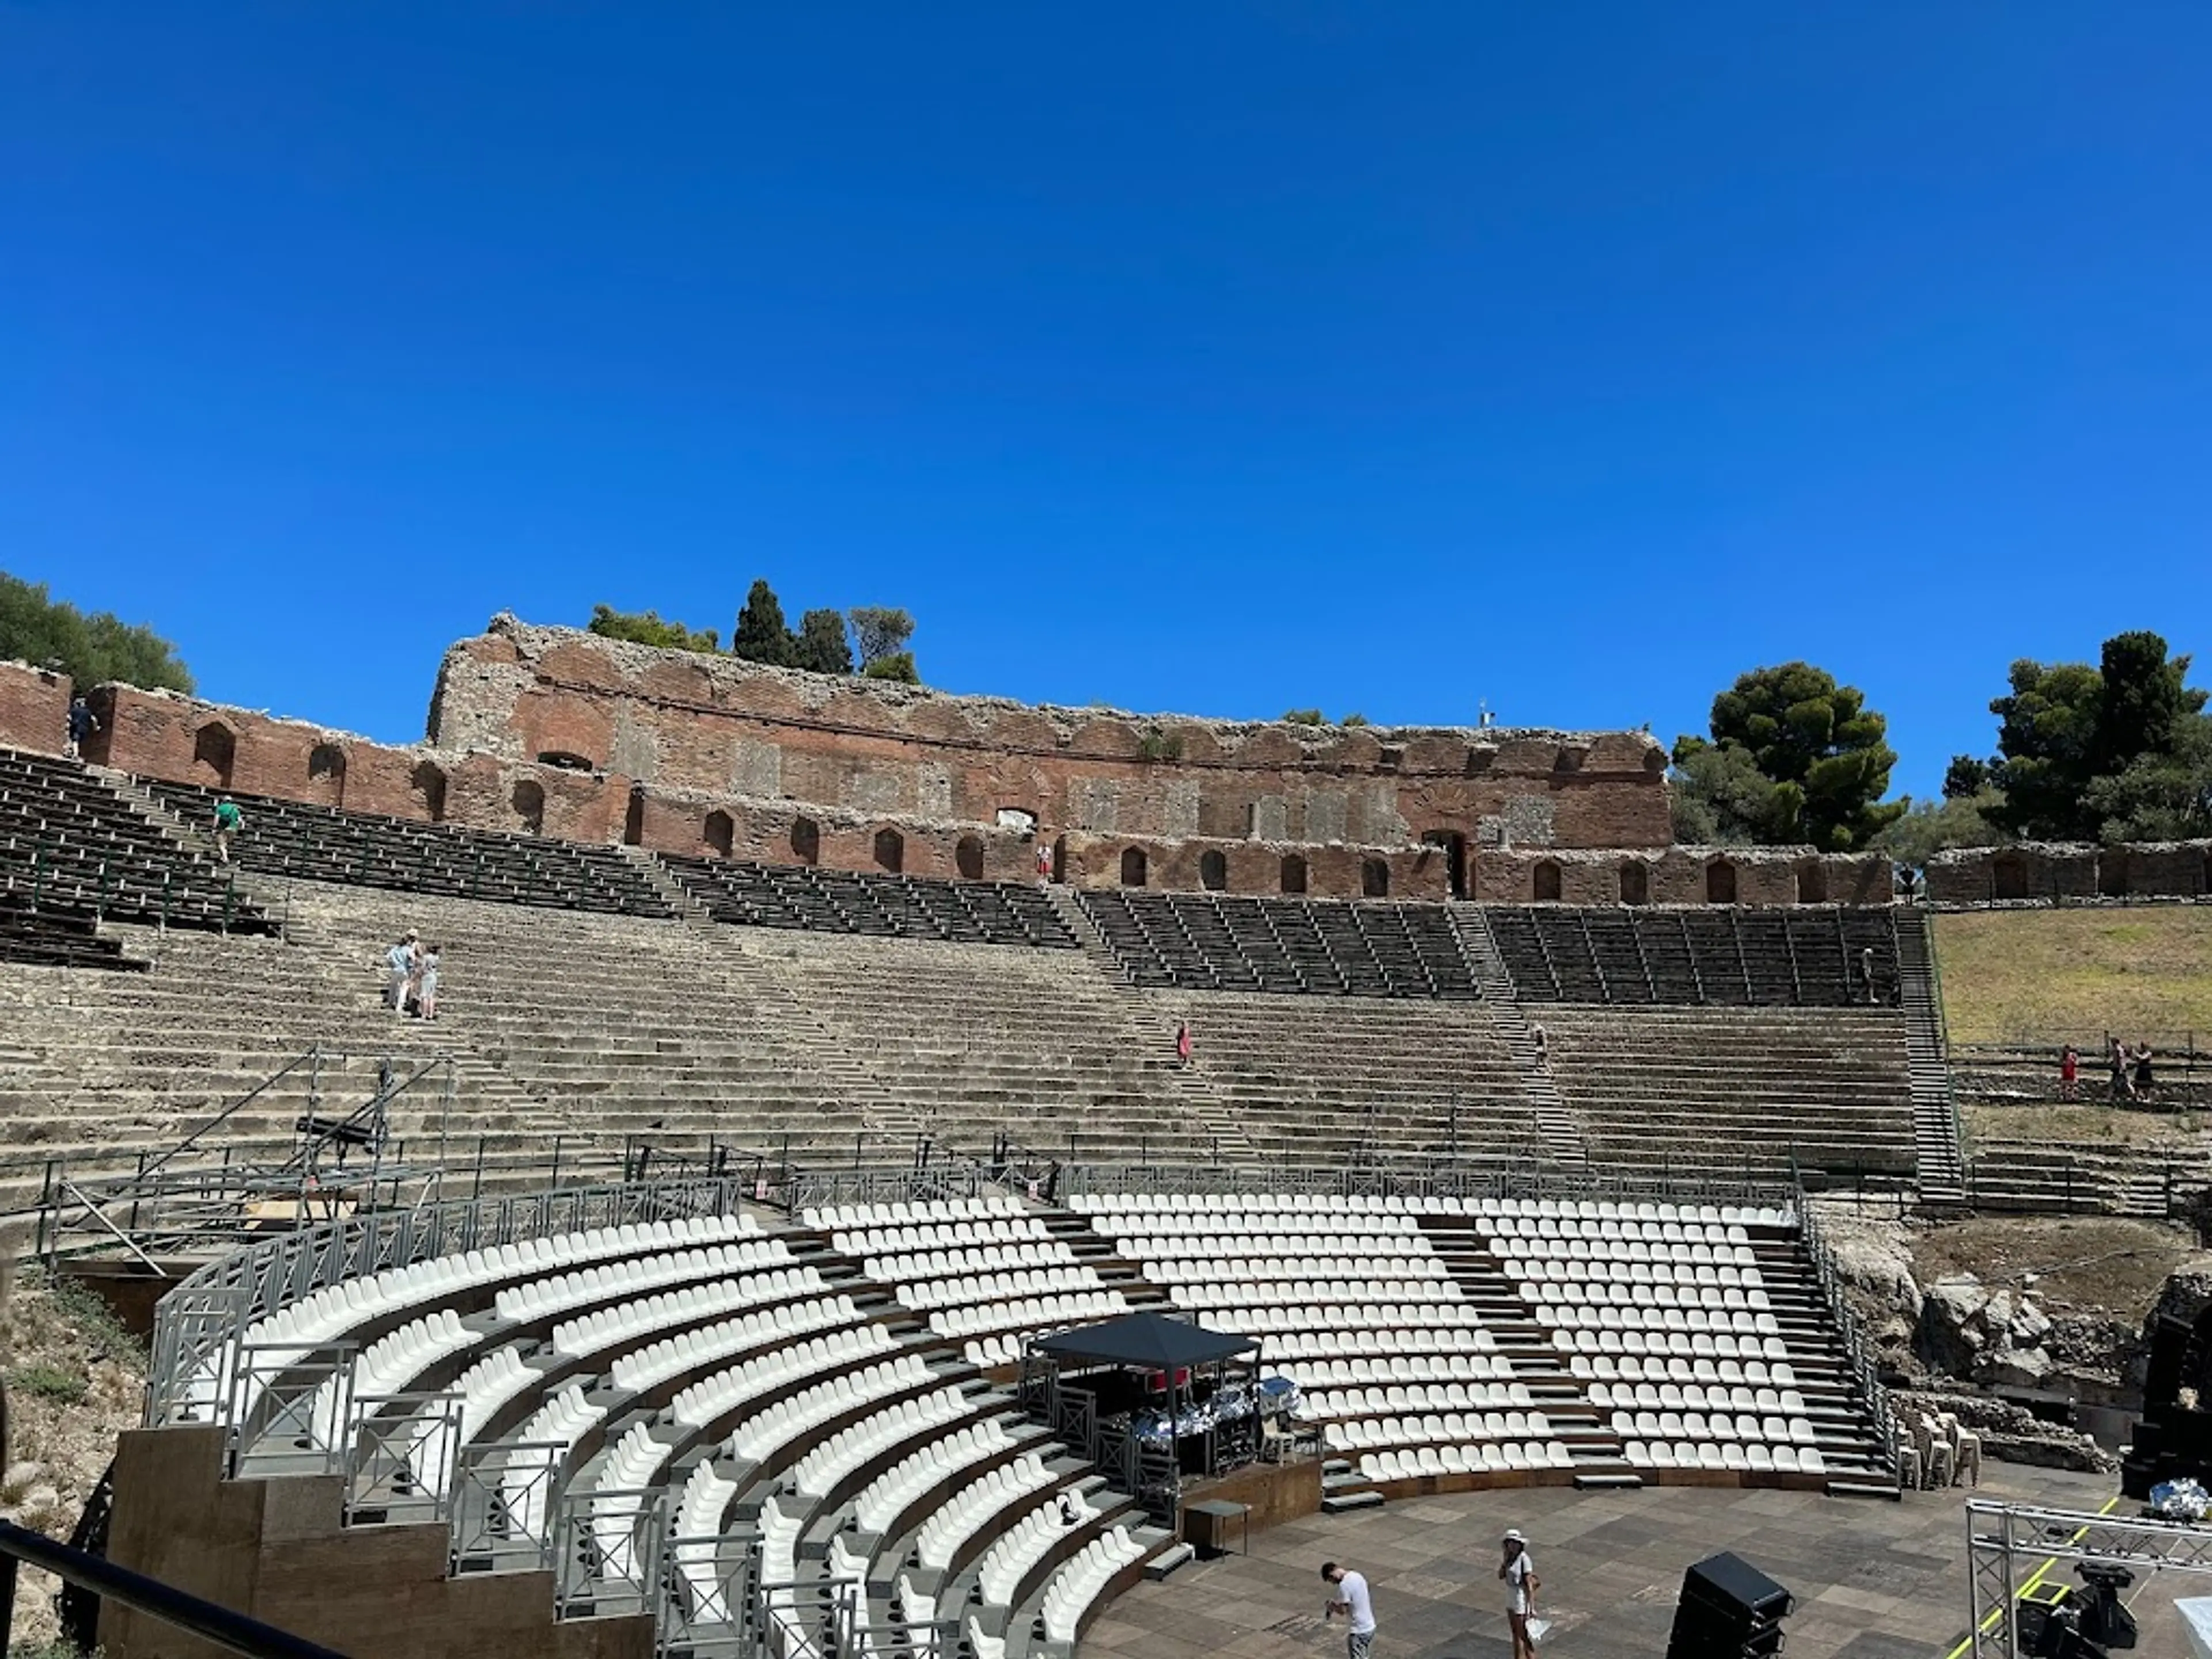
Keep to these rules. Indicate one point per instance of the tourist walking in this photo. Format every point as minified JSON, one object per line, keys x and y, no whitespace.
{"x":425,"y":983}
{"x":399,"y":963}
{"x":1182,"y":1044}
{"x":1543,"y":1048}
{"x":228,"y":821}
{"x":1865,"y":973}
{"x":1517,"y":1572}
{"x":2116,"y":1057}
{"x":1358,"y":1608}
{"x":2146,"y":1084}
{"x":2070,"y":1074}
{"x":81,"y":724}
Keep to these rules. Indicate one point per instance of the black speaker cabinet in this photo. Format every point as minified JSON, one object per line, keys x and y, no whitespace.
{"x":1729,"y":1609}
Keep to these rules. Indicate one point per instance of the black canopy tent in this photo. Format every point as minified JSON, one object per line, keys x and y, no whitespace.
{"x":1139,"y":1342}
{"x":1149,"y":1340}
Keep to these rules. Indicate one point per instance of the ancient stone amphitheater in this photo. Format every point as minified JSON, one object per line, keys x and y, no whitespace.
{"x":674,"y":1291}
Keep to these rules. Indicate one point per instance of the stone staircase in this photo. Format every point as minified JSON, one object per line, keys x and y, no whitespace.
{"x":1561,"y":1135}
{"x":1935,"y":1112}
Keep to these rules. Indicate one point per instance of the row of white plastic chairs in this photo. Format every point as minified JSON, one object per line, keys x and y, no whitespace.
{"x":1723,"y":1426}
{"x":1001,"y":1231}
{"x":1736,"y":1458}
{"x":1022,"y":1544}
{"x":716,"y":1395}
{"x":1532,"y":1208}
{"x":1356,"y":1434}
{"x":1489,"y":1457}
{"x":1287,"y":1344}
{"x":1078,"y":1584}
{"x":949,"y":1264}
{"x":1619,"y":1259}
{"x":962,"y":1517}
{"x":851,"y":1448}
{"x":760,"y":1435}
{"x":1379,"y":1248}
{"x":1590,"y":1270}
{"x":990,"y":1352}
{"x":289,"y":1335}
{"x":927,"y":1293}
{"x":688,"y":1350}
{"x":1266,"y":1291}
{"x":1765,"y":1399}
{"x":1213,"y":1224}
{"x":1591,"y":1293}
{"x":1377,"y":1399}
{"x":883,"y":1498}
{"x":334,"y":1309}
{"x":488,"y":1386}
{"x":631,"y":1276}
{"x":1477,"y":1367}
{"x":622,"y":1322}
{"x":1030,"y":1313}
{"x":1199,"y":1266}
{"x":912,"y":1212}
{"x":1337,"y":1316}
{"x":1584,"y":1315}
{"x":1506,"y":1231}
{"x":1676,"y":1368}
{"x":1689,"y":1345}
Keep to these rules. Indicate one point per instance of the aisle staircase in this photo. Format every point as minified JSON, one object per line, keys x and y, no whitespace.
{"x":1935,"y":1112}
{"x":1562,"y":1135}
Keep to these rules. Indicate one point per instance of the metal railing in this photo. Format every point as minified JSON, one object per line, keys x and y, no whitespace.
{"x":1858,"y":1355}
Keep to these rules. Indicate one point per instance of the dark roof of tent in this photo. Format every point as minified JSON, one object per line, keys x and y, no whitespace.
{"x":1146,"y":1338}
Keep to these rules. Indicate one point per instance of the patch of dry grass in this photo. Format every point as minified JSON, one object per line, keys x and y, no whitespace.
{"x":2012,"y":975}
{"x":2084,"y":1264}
{"x":2088,"y":1127}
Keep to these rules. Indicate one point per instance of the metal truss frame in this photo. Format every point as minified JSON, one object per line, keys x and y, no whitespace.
{"x":2010,"y":1547}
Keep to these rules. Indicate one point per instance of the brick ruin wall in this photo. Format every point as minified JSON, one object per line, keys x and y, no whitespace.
{"x":2047,"y":872}
{"x":595,"y":740}
{"x":1684,"y":875}
{"x":34,"y":707}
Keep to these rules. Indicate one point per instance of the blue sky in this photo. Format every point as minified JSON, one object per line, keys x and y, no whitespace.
{"x":1224,"y":358}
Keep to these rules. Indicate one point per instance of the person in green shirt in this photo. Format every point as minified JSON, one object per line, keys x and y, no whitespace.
{"x":228,"y":821}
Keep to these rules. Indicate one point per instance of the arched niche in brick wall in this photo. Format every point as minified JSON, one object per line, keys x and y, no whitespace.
{"x":720,"y":833}
{"x":1213,"y":870}
{"x":1635,"y":883}
{"x":428,"y":783}
{"x":890,"y":851}
{"x":1374,"y":878}
{"x":215,"y":751}
{"x":527,"y":798}
{"x":1294,"y":873}
{"x":806,"y":840}
{"x":326,"y":774}
{"x":1544,"y":881}
{"x":968,"y":857}
{"x":1135,"y":867}
{"x":1811,"y":882}
{"x":1720,"y":882}
{"x":2008,"y":877}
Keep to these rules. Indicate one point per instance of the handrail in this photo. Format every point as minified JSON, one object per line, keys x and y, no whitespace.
{"x":233,"y":1633}
{"x":314,"y":1056}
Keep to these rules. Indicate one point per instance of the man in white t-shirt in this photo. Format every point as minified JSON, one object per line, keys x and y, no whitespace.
{"x":1350,"y":1600}
{"x":1517,"y":1572}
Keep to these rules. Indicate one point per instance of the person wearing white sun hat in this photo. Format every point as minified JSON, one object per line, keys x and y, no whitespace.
{"x":1517,"y":1572}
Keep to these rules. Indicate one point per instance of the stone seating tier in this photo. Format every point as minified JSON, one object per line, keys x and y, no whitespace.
{"x":70,"y":843}
{"x":1209,"y":942}
{"x":844,"y":901}
{"x":1808,"y":956}
{"x":367,"y":849}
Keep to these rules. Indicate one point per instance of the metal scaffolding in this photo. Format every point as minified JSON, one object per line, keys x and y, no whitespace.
{"x":2011,"y":1548}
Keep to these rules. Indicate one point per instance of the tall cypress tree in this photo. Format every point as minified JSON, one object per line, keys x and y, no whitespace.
{"x":763,"y":636}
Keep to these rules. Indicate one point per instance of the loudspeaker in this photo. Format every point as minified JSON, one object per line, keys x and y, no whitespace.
{"x":1729,"y":1609}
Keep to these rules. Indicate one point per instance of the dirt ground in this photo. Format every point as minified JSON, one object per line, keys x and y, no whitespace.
{"x":2037,"y":975}
{"x":75,"y":1379}
{"x":2087,"y":1264}
{"x":2090,"y":1127}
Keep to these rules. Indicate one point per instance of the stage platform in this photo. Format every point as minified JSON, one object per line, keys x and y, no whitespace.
{"x":1873,"y":1580}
